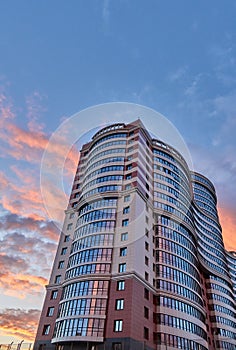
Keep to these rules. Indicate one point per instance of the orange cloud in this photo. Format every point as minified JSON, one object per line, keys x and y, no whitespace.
{"x":23,"y":272}
{"x":29,"y":144}
{"x":228,"y":223}
{"x":19,"y":285}
{"x":21,"y":324}
{"x":21,"y":195}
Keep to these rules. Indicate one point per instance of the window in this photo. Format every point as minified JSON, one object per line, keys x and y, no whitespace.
{"x":119,"y":304}
{"x":146,"y":232}
{"x":50,"y":311}
{"x":128,"y":177}
{"x":71,"y":215}
{"x":127,"y":198}
{"x":118,"y":325}
{"x":54,"y":294}
{"x":67,"y":238}
{"x":130,"y":149}
{"x":61,"y":264}
{"x":129,"y":167}
{"x":58,"y":279}
{"x":129,"y":158}
{"x":122,"y":267}
{"x":126,"y":210}
{"x":46,"y":329}
{"x":116,"y":346}
{"x":124,"y":236}
{"x":146,"y":261}
{"x":146,"y":246}
{"x":128,"y":186}
{"x":146,"y":276}
{"x":146,"y":293}
{"x":123,"y":251}
{"x":63,"y":251}
{"x":125,"y":222}
{"x":146,"y":219}
{"x":146,"y":312}
{"x":120,"y":285}
{"x":146,"y":333}
{"x":69,"y":226}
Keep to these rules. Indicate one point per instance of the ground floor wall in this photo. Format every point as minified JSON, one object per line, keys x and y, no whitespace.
{"x":108,"y":344}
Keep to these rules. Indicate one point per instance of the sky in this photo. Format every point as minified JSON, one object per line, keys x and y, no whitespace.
{"x":58,"y":58}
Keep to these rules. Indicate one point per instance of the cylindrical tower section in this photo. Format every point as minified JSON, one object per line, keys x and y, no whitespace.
{"x":83,"y":305}
{"x":215,"y":271}
{"x":180,"y":314}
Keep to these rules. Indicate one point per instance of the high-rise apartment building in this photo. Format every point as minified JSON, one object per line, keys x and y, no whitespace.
{"x":141,"y":262}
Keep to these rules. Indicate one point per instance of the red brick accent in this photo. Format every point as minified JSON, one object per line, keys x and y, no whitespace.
{"x":133,"y":312}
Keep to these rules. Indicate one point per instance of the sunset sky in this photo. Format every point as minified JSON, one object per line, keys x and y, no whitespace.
{"x":60,"y":57}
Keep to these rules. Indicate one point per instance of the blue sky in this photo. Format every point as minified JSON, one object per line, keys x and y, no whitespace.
{"x":59,"y":57}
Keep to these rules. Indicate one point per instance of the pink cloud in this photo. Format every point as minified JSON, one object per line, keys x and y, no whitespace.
{"x":21,"y":324}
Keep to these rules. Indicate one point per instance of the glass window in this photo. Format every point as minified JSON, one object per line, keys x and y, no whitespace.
{"x":61,"y":264}
{"x":118,"y":325}
{"x":120,"y":285}
{"x":67,"y":238}
{"x":124,"y":236}
{"x":58,"y":279}
{"x":127,"y":198}
{"x":126,"y":210}
{"x":46,"y":329}
{"x":146,"y":261}
{"x":123,"y":251}
{"x":129,"y":167}
{"x":146,"y":293}
{"x":69,"y":226}
{"x":50,"y":311}
{"x":71,"y":215}
{"x":63,"y":251}
{"x":146,"y":333}
{"x":119,"y":304}
{"x":54,"y":294}
{"x":128,"y":177}
{"x":128,"y":186}
{"x":116,"y":346}
{"x":146,"y":312}
{"x":122,"y":267}
{"x":146,"y":246}
{"x":125,"y":222}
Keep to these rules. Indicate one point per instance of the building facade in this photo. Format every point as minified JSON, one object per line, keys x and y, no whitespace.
{"x":141,"y":262}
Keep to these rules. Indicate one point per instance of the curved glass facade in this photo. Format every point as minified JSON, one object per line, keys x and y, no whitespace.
{"x":144,"y":262}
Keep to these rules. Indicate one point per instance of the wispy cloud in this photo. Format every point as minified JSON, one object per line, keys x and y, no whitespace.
{"x":224,"y":61}
{"x":192,"y":88}
{"x":21,"y":193}
{"x":27,"y":144}
{"x":34,"y":111}
{"x":105,"y":10}
{"x":179,"y":74}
